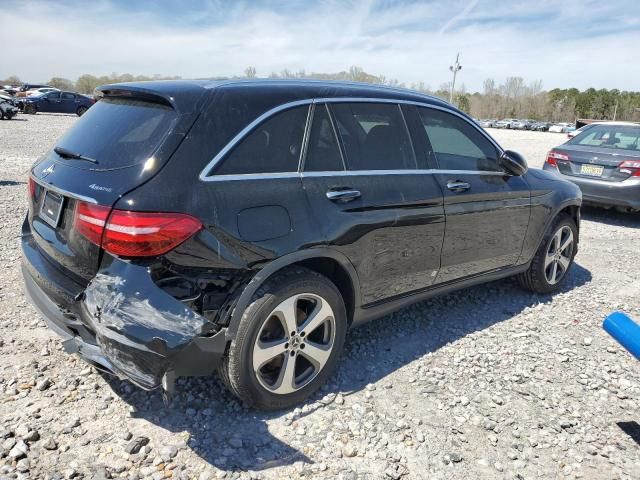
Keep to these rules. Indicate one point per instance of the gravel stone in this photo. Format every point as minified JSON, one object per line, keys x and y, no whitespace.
{"x":136,"y":444}
{"x":520,"y":385}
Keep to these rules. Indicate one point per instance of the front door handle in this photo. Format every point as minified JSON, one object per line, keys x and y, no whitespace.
{"x":342,"y":195}
{"x":458,"y":186}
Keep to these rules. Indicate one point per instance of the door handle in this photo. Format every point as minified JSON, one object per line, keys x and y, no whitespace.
{"x":342,"y":195}
{"x":458,"y":186}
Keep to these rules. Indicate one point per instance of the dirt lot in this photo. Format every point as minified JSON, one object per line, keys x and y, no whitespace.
{"x":490,"y":382}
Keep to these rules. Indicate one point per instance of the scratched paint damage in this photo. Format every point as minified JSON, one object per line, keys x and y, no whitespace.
{"x":138,"y":326}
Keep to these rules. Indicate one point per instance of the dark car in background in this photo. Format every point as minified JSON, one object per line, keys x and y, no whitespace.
{"x":604,"y":161}
{"x":184,"y":227}
{"x":57,"y":102}
{"x":8,"y":108}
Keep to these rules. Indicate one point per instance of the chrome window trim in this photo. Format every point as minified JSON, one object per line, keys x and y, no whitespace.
{"x":305,"y":136}
{"x":64,"y":193}
{"x":205,"y":175}
{"x":409,"y":171}
{"x":350,"y":173}
{"x":250,"y":176}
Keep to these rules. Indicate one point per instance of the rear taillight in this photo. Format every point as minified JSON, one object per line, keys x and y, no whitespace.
{"x":32,"y":188}
{"x":631,"y":167}
{"x":134,"y":234}
{"x":90,"y":221}
{"x":553,"y":157}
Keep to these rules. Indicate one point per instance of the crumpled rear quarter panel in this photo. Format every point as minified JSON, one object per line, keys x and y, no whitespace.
{"x":139,"y":327}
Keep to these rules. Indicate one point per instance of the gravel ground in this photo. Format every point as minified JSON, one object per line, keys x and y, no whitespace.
{"x":489,"y":382}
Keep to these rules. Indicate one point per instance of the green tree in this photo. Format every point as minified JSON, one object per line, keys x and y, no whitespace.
{"x":462,"y":100}
{"x":12,"y":80}
{"x":61,"y":83}
{"x":87,"y":83}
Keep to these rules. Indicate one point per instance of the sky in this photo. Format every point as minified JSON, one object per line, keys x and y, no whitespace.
{"x":567,"y":43}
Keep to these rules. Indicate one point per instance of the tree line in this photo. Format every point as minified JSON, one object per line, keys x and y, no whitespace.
{"x":514,"y":98}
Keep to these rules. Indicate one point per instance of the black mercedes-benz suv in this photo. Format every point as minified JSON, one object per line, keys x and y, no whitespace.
{"x":185,"y":227}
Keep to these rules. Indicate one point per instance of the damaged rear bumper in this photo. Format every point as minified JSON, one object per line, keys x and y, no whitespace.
{"x":122,"y":322}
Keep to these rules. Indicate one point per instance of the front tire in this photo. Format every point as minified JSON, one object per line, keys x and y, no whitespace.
{"x":30,"y":109}
{"x":554,"y":258}
{"x":289,"y":340}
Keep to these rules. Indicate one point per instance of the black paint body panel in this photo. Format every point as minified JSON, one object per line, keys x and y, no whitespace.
{"x":406,"y":237}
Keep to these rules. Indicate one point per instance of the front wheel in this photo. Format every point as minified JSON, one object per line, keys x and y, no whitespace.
{"x":30,"y":109}
{"x":554,"y":258}
{"x":289,"y":340}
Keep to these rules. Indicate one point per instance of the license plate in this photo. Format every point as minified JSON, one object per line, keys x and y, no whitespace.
{"x":51,"y":208}
{"x":593,"y":170}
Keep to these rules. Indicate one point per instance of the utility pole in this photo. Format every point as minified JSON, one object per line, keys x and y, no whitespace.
{"x":455,"y":68}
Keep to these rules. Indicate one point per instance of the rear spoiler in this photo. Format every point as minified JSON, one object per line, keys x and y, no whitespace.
{"x":112,"y":91}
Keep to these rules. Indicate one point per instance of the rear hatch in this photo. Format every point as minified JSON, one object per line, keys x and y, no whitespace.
{"x":117,"y":145}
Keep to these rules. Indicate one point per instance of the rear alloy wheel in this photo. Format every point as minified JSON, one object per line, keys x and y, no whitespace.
{"x":289,"y":340}
{"x":554,"y":257}
{"x":81,"y":110}
{"x":294,"y":343}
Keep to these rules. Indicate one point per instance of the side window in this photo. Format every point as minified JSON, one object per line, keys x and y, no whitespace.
{"x":323,"y":153}
{"x":374,"y":136}
{"x":271,"y":147}
{"x":458,"y":145}
{"x":53,"y":95}
{"x":68,"y":96}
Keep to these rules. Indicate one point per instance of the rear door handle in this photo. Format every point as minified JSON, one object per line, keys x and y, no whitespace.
{"x":458,"y":186}
{"x":343,"y":195}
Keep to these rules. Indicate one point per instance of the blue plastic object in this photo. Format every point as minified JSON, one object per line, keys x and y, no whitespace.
{"x":625,"y":331}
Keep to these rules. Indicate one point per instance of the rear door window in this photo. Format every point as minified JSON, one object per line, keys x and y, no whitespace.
{"x":68,"y":96}
{"x":457,"y":144}
{"x":323,"y":152}
{"x":272,"y":147}
{"x":120,"y":132}
{"x":374,"y":136}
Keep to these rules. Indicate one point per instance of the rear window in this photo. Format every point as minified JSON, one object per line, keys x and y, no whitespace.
{"x":119,"y":132}
{"x":620,"y":137}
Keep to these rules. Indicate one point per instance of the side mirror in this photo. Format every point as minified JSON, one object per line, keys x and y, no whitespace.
{"x":513,"y":163}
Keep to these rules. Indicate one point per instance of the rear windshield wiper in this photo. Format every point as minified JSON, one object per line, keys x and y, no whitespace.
{"x":64,"y":153}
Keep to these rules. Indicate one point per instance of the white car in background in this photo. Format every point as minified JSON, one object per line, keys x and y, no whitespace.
{"x":506,"y":123}
{"x":562,"y":128}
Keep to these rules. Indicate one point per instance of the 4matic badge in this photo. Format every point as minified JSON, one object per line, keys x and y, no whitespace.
{"x":93,"y":186}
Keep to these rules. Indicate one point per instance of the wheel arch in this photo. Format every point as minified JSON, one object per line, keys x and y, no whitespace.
{"x":570,"y":208}
{"x":323,"y":260}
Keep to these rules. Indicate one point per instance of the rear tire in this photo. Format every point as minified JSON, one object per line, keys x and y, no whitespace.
{"x":288,"y":342}
{"x":2,"y":115}
{"x":554,"y":257}
{"x":81,"y":110}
